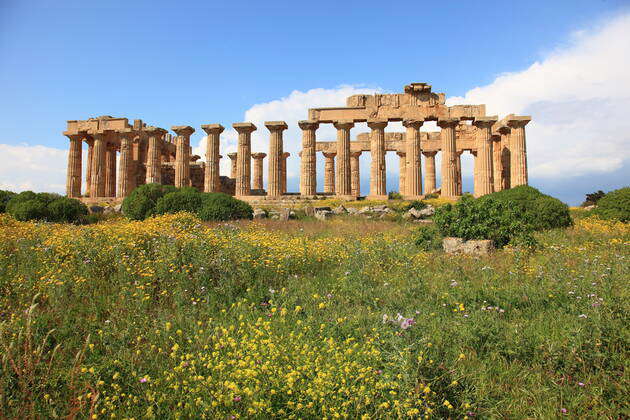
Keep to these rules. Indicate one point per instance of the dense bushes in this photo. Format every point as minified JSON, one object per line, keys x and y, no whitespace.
{"x":535,"y":208}
{"x":615,"y":205}
{"x":5,"y":196}
{"x":593,"y":198}
{"x":28,"y":205}
{"x":152,"y":199}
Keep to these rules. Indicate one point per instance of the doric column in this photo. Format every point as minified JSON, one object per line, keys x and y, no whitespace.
{"x":88,"y":172}
{"x":308,"y":175}
{"x":329,"y":172}
{"x":402,"y":172}
{"x":154,"y":154}
{"x":244,"y":158}
{"x":458,"y":166}
{"x":497,"y":165}
{"x":475,"y":173}
{"x":283,"y":171}
{"x":97,"y":187}
{"x":257,"y":182}
{"x":73,"y":176}
{"x":484,"y":155}
{"x":232,"y":157}
{"x":355,"y":174}
{"x":429,"y":172}
{"x":505,"y":157}
{"x":182,"y":155}
{"x":274,"y":180}
{"x":343,"y":184}
{"x":125,"y":174}
{"x":211,"y":178}
{"x":449,"y":165}
{"x":413,"y":178}
{"x":110,"y":171}
{"x":518,"y":152}
{"x":378,"y":188}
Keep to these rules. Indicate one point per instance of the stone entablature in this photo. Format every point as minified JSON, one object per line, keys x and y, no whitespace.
{"x":151,"y":154}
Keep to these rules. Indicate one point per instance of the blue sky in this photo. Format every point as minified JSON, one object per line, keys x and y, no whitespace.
{"x":174,"y":63}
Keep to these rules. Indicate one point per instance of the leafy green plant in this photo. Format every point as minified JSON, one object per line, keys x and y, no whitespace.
{"x":142,"y":201}
{"x":428,"y":238}
{"x":415,"y":204}
{"x":220,"y":206}
{"x":615,"y":205}
{"x":28,"y":205}
{"x":593,"y":198}
{"x":394,"y":195}
{"x":5,"y":196}
{"x":186,"y":199}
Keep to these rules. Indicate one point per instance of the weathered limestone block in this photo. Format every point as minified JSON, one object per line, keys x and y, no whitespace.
{"x":472,"y":247}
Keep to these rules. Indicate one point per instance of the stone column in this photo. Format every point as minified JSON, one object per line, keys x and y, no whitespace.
{"x":232,"y":157}
{"x":182,"y":155}
{"x":458,"y":165}
{"x":518,"y":152}
{"x":413,"y":178}
{"x":449,"y":165}
{"x":88,"y":172}
{"x":110,"y":171}
{"x":505,"y":157}
{"x":378,"y":187}
{"x":283,"y":171}
{"x":484,"y":155}
{"x":73,"y":176}
{"x":402,"y":172}
{"x":475,"y":173}
{"x":329,"y":172}
{"x":429,"y":172}
{"x":154,"y":154}
{"x":244,"y":158}
{"x":497,"y":166}
{"x":97,"y":187}
{"x":308,"y":161}
{"x":257,"y":182}
{"x":211,"y":178}
{"x":125,"y":162}
{"x":343,"y":184}
{"x":355,"y":174}
{"x":274,"y":180}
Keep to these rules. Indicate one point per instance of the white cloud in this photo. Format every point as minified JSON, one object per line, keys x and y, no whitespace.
{"x":578,"y":97}
{"x":38,"y":168}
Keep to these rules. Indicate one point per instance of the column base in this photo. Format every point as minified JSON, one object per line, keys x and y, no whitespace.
{"x":346,"y":197}
{"x":377,"y":197}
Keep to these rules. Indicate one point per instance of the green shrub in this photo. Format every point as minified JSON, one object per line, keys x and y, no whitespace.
{"x":540,"y":211}
{"x":67,"y":210}
{"x":142,"y":201}
{"x":393,"y":195}
{"x":483,"y":219}
{"x":220,"y":206}
{"x":49,"y":207}
{"x":428,"y":238}
{"x":615,"y":205}
{"x":593,"y":198}
{"x":415,"y":204}
{"x":5,"y":196}
{"x":431,"y":195}
{"x":28,"y":210}
{"x":186,"y":199}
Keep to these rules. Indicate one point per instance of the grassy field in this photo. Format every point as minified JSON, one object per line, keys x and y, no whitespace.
{"x":171,"y":318}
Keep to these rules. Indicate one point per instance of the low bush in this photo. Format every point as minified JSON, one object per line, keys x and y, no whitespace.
{"x":615,"y":205}
{"x":142,"y":201}
{"x":49,"y":207}
{"x":186,"y":199}
{"x":393,"y":195}
{"x":220,"y":206}
{"x":415,"y":204}
{"x":428,"y":238}
{"x":593,"y":198}
{"x":5,"y":196}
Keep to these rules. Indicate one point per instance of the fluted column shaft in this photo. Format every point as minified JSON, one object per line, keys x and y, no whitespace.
{"x":110,"y":171}
{"x":497,"y":165}
{"x":88,"y":172}
{"x":484,"y":155}
{"x":211,"y":178}
{"x":429,"y":172}
{"x":125,"y":174}
{"x":257,"y":181}
{"x":182,"y":155}
{"x":73,"y":176}
{"x":475,"y":173}
{"x":449,"y":165}
{"x":344,"y":186}
{"x":402,"y":172}
{"x":97,"y":187}
{"x":275,"y":180}
{"x":413,"y":180}
{"x":355,"y":174}
{"x":458,"y":165}
{"x":329,"y":173}
{"x":506,"y":166}
{"x":518,"y":152}
{"x":378,"y":172}
{"x":232,"y":157}
{"x":283,"y":171}
{"x":154,"y":153}
{"x":308,"y":162}
{"x":244,"y":158}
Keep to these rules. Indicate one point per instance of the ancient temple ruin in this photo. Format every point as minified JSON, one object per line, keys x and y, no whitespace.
{"x":122,"y":156}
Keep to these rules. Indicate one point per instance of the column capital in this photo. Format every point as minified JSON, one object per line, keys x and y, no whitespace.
{"x":356,"y":154}
{"x":286,"y":155}
{"x":485,"y":122}
{"x":213,"y":128}
{"x":244,"y":127}
{"x":413,"y":123}
{"x":74,"y":136}
{"x":232,"y":155}
{"x":515,"y":121}
{"x":330,"y":154}
{"x":183,"y":130}
{"x":448,"y":122}
{"x":504,"y":129}
{"x":376,"y":124}
{"x":460,"y":152}
{"x":259,"y":155}
{"x":401,"y":154}
{"x":343,"y":124}
{"x":276,"y":125}
{"x":429,"y":154}
{"x":308,"y":124}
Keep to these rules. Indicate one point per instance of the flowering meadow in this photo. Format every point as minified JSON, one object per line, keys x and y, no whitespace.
{"x":173,"y":318}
